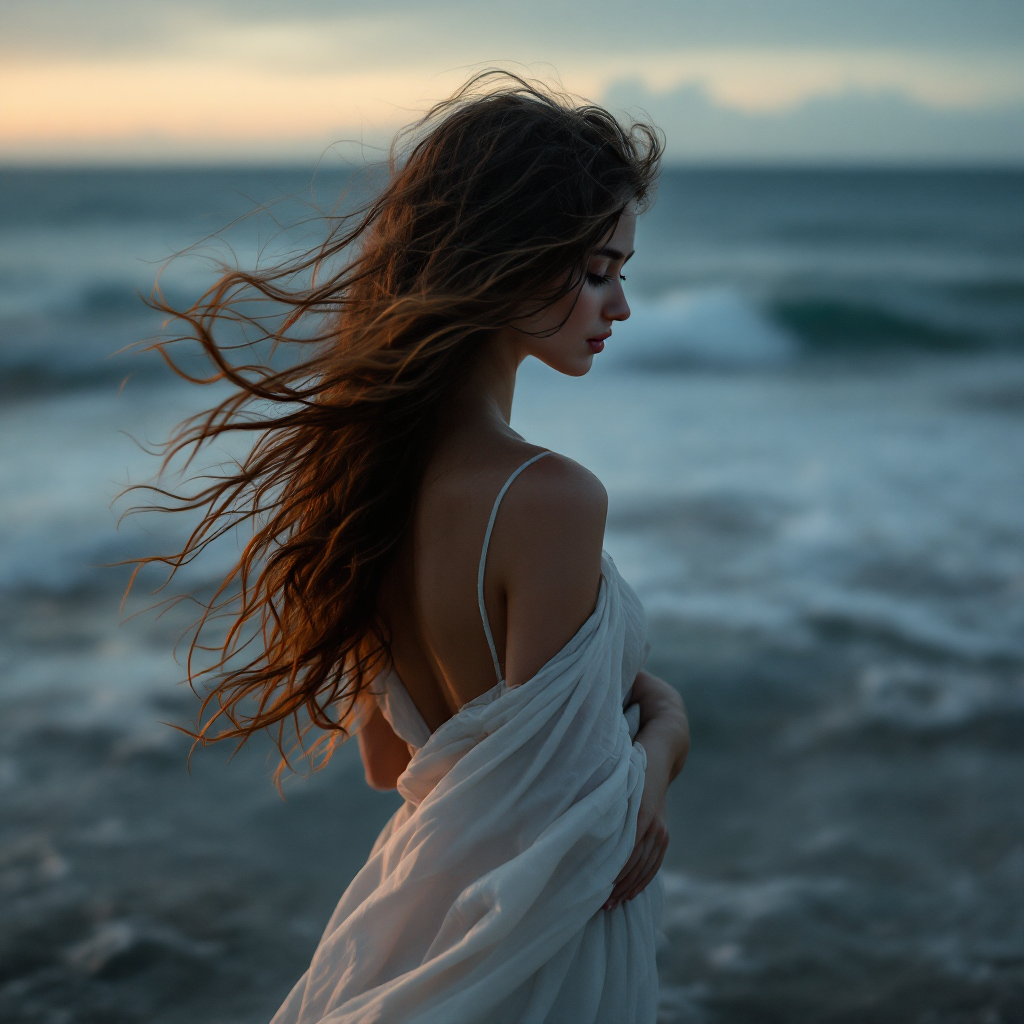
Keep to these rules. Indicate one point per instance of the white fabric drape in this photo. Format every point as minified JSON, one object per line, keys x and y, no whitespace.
{"x":481,"y":900}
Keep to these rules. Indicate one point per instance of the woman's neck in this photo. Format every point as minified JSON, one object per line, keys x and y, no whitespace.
{"x":488,"y":392}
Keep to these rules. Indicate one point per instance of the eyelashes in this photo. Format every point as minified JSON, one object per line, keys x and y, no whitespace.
{"x":599,"y":280}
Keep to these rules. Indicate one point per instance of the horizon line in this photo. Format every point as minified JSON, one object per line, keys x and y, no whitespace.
{"x":675,"y":164}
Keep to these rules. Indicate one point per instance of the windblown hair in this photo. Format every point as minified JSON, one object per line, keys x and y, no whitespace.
{"x":492,"y":205}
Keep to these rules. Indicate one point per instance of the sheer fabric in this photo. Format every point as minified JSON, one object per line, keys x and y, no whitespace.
{"x":481,"y":900}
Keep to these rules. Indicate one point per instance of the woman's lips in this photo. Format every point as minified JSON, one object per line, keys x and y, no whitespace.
{"x":597,"y":344}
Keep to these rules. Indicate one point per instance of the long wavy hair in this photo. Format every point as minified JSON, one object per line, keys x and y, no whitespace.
{"x":492,"y":204}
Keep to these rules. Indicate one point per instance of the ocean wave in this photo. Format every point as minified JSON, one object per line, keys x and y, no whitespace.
{"x":65,"y":459}
{"x":925,"y":698}
{"x":914,"y":624}
{"x":24,"y":380}
{"x":741,"y":613}
{"x":73,"y":550}
{"x":112,"y":299}
{"x":800,"y":942}
{"x":727,"y":909}
{"x":57,"y":336}
{"x":716,"y":327}
{"x":720,"y":327}
{"x":104,"y":299}
{"x":829,"y":324}
{"x":914,"y":699}
{"x":808,"y":608}
{"x":56,"y":353}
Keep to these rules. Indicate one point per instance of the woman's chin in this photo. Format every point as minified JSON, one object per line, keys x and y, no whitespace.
{"x":578,"y":367}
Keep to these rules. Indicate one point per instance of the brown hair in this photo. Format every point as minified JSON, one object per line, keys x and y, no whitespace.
{"x":493,"y":203}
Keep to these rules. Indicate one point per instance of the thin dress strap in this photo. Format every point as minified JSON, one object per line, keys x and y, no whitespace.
{"x":483,"y":562}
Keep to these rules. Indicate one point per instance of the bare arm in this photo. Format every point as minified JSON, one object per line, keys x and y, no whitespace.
{"x":385,"y":755}
{"x":665,"y":736}
{"x":547,"y":553}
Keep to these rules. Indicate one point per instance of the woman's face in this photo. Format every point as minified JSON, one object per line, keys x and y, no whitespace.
{"x":588,"y":313}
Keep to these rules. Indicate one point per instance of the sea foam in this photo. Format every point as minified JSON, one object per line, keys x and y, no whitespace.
{"x":714,"y":327}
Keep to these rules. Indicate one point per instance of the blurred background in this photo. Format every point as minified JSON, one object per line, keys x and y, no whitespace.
{"x":811,"y":432}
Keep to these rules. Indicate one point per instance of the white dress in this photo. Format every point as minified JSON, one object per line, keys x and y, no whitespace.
{"x":481,"y":900}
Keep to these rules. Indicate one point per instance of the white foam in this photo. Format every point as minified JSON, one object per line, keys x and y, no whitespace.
{"x":912,"y":698}
{"x":63,"y":462}
{"x":721,"y":913}
{"x":922,"y":699}
{"x":739,"y":612}
{"x":792,"y":505}
{"x":716,"y":327}
{"x":909,"y":621}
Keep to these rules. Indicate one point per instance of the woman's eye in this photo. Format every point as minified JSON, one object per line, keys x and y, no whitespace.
{"x":597,"y":280}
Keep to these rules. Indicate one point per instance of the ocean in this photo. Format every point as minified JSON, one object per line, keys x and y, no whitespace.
{"x":811,"y":430}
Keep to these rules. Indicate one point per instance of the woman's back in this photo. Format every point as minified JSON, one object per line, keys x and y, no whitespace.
{"x":542,"y":569}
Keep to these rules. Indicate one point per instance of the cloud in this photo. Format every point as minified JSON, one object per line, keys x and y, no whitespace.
{"x":135,"y":80}
{"x":762,"y":80}
{"x":139,"y":27}
{"x":853,"y":126}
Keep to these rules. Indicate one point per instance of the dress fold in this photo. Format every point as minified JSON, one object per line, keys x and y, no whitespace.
{"x":481,"y":900}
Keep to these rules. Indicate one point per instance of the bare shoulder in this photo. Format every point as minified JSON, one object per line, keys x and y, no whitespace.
{"x":543,"y":560}
{"x":555,"y":488}
{"x":552,"y":522}
{"x":549,"y":541}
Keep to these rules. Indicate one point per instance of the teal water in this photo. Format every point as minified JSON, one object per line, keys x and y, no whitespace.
{"x":810,"y":431}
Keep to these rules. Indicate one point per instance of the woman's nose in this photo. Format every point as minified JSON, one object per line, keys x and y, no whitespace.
{"x":618,"y":309}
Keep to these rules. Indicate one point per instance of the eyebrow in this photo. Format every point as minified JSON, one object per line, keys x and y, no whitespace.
{"x":613,"y":253}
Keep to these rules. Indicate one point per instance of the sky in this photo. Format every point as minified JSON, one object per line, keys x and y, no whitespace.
{"x":847,"y":81}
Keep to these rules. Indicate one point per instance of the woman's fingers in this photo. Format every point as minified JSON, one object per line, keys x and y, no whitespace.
{"x":643,"y":824}
{"x":650,"y":869}
{"x":632,"y":871}
{"x":635,"y":878}
{"x":620,"y":893}
{"x":630,"y":864}
{"x":622,"y":885}
{"x":626,"y":875}
{"x":644,"y":863}
{"x":627,"y":883}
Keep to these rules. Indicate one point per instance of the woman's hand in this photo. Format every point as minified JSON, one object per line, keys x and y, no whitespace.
{"x":665,"y":736}
{"x":651,"y":844}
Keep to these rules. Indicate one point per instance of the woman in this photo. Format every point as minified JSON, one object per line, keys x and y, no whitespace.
{"x":424,"y":576}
